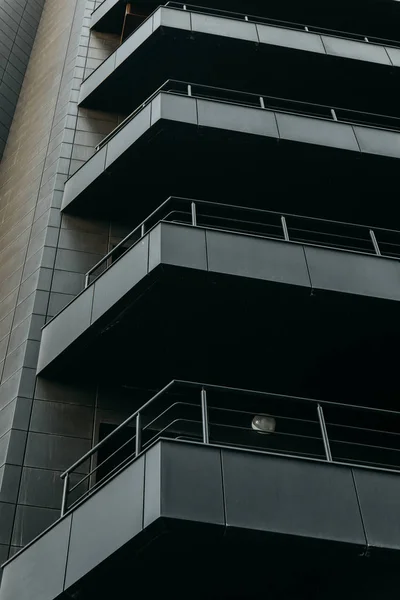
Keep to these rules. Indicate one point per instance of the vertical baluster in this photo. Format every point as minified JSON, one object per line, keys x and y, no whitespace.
{"x":194,"y":214}
{"x":324,"y":433}
{"x":64,"y":495}
{"x":285,"y":229}
{"x":204,"y":416}
{"x":374,"y":242}
{"x":138,"y":438}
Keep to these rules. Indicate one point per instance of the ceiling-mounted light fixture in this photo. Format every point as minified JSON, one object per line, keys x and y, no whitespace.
{"x":263,"y":424}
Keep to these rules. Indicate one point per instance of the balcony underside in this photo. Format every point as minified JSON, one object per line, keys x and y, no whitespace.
{"x":109,"y":16}
{"x":221,"y":523}
{"x":237,"y":155}
{"x":250,"y":317}
{"x":262,"y":59}
{"x":367,"y":17}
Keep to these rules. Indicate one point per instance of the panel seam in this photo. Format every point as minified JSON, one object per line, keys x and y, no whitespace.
{"x":223,"y":492}
{"x":388,"y":55}
{"x":322,"y":42}
{"x":67,"y":556}
{"x":308,"y":270}
{"x":366,"y":551}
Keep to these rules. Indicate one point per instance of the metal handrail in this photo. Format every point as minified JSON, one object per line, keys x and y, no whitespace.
{"x":278,"y":22}
{"x":204,"y":423}
{"x":191,"y":87}
{"x":141,"y":227}
{"x":198,"y":210}
{"x":283,"y":23}
{"x":130,"y":117}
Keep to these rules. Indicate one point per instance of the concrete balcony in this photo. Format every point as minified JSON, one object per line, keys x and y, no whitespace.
{"x":172,"y":504}
{"x":198,"y":301}
{"x":373,"y":18}
{"x":187,"y":133}
{"x":294,"y":62}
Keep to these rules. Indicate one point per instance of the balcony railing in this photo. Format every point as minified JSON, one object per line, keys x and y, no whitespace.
{"x":262,"y":223}
{"x":274,"y":103}
{"x":281,"y":23}
{"x":243,"y":419}
{"x":278,"y":23}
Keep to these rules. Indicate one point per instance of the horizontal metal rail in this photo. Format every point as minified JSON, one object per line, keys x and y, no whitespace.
{"x":129,"y":118}
{"x":269,"y":224}
{"x":359,"y":37}
{"x":328,"y":431}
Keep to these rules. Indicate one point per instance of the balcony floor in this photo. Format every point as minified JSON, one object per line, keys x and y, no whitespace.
{"x":178,"y":159}
{"x":188,"y":520}
{"x":198,"y":326}
{"x":206,"y":566}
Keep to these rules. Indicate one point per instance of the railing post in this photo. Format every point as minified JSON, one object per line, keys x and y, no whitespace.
{"x":189,"y":89}
{"x":142,"y":230}
{"x":324,"y":432}
{"x":285,"y":229}
{"x":306,"y":28}
{"x":333,"y":113}
{"x":262,"y":103}
{"x":204,"y":416}
{"x":64,"y":495}
{"x":194,"y":214}
{"x":138,"y":438}
{"x":246,"y":18}
{"x":374,"y":242}
{"x":87,"y":277}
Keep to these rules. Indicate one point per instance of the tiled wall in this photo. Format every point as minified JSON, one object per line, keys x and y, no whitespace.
{"x":18,"y":24}
{"x":45,"y":426}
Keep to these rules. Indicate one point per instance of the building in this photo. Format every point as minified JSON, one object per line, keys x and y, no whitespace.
{"x":18,"y":25}
{"x":199,"y":266}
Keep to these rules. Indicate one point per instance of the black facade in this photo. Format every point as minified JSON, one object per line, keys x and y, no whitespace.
{"x":214,"y":408}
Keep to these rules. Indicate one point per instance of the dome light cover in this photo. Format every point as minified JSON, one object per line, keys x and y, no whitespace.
{"x":263,"y":424}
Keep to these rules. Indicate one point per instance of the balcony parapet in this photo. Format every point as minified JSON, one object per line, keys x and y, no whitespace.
{"x":244,"y":420}
{"x":231,"y":485}
{"x":228,"y":36}
{"x":109,"y":16}
{"x":285,"y":255}
{"x":261,"y":223}
{"x":192,"y":109}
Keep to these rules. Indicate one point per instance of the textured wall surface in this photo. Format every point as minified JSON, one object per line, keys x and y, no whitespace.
{"x":18,"y":24}
{"x":45,"y":426}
